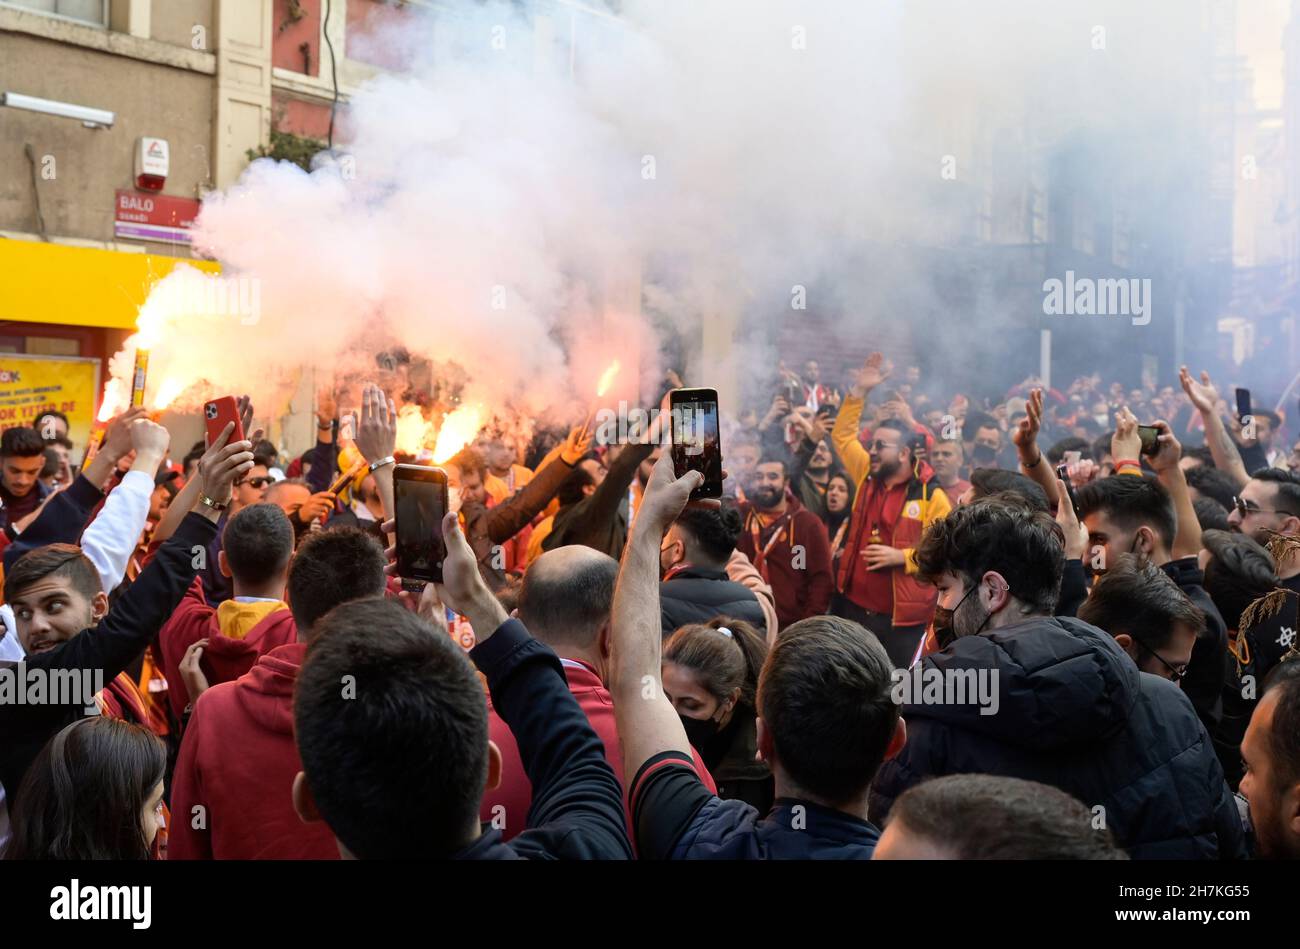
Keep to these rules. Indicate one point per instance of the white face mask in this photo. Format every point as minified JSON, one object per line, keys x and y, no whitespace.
{"x":453,"y":499}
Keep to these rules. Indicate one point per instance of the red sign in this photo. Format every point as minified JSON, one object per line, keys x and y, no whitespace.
{"x":156,"y":210}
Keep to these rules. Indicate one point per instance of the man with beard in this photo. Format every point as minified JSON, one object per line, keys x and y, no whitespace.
{"x":1271,"y":752}
{"x":877,"y":584}
{"x":1072,"y":710}
{"x":1269,"y":507}
{"x":787,"y":543}
{"x":811,"y":462}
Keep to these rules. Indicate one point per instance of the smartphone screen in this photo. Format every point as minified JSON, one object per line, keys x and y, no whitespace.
{"x":1243,"y":403}
{"x":1149,"y":435}
{"x":420,"y":494}
{"x":696,"y":446}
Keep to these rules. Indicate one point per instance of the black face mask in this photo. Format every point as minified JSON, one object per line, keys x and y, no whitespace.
{"x":944,"y":631}
{"x":711,"y":739}
{"x":983,"y":455}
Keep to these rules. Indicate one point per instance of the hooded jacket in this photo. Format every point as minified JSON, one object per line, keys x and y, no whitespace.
{"x":237,"y":633}
{"x":697,"y":594}
{"x":237,"y":763}
{"x":1073,"y":711}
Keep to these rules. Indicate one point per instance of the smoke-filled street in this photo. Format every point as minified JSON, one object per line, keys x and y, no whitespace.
{"x":650,"y":430}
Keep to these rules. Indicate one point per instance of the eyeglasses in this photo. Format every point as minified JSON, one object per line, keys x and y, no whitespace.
{"x":878,"y":445}
{"x":260,"y":482}
{"x":1247,"y":507}
{"x":1177,"y":672}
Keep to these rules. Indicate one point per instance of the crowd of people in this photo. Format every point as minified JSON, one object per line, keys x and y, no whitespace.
{"x":1058,"y":626}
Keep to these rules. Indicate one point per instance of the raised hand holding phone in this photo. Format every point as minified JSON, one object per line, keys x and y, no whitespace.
{"x":696,"y":445}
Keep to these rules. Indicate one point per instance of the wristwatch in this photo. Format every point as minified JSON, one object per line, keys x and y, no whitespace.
{"x":381,"y":462}
{"x":215,"y":505}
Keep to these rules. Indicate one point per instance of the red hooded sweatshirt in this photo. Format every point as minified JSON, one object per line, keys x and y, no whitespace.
{"x":228,"y":654}
{"x":236,"y":766}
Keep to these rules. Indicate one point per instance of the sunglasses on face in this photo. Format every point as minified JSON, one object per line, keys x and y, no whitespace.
{"x":259,"y":482}
{"x":1247,"y":507}
{"x":878,"y":445}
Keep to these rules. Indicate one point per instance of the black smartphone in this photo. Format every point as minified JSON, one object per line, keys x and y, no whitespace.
{"x":1149,"y":436}
{"x":1243,"y":403}
{"x":1063,"y":472}
{"x":696,"y":446}
{"x":420,"y":495}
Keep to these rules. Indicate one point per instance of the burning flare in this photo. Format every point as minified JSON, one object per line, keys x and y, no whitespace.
{"x":607,"y":379}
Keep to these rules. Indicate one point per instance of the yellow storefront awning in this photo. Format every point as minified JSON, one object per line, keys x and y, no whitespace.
{"x":80,"y":286}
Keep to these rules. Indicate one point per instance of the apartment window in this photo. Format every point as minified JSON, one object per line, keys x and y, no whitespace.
{"x":93,"y":12}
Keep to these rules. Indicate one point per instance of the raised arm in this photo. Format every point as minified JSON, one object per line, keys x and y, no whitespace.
{"x":647,"y":722}
{"x":377,"y":440}
{"x":111,"y":537}
{"x":1025,"y":438}
{"x":513,"y":515}
{"x":1187,"y":539}
{"x":857,"y":460}
{"x":577,"y":805}
{"x":1222,"y":448}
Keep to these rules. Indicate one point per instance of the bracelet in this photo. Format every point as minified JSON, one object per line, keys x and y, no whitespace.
{"x":1127,"y":463}
{"x":215,"y":505}
{"x":381,"y":462}
{"x":1036,"y":463}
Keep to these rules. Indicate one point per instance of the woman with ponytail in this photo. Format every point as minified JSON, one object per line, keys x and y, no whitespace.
{"x":710,"y":674}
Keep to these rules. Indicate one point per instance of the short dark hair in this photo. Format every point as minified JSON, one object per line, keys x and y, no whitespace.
{"x":1057,"y":452}
{"x":825,"y":695}
{"x":1101,"y":446}
{"x":1274,"y":420}
{"x":396,"y":767}
{"x":571,"y":489}
{"x":53,"y":462}
{"x":991,"y":481}
{"x":568,"y":605}
{"x":1210,"y":515}
{"x":714,"y":532}
{"x":1284,"y":736}
{"x":1238,"y":572}
{"x":265,"y":454}
{"x":1131,"y":501}
{"x":333,"y":567}
{"x":258,"y":542}
{"x":1213,"y":484}
{"x":52,"y":560}
{"x":1202,"y":454}
{"x":1136,"y":597}
{"x":775,"y":460}
{"x":974,"y":422}
{"x":21,"y":443}
{"x":989,"y":817}
{"x":1286,"y":482}
{"x":1026,"y":547}
{"x":53,"y":413}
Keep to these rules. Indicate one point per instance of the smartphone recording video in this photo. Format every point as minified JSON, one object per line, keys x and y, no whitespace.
{"x":696,"y":446}
{"x":420,"y":494}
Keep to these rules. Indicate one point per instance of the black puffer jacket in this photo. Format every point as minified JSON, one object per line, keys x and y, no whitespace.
{"x":698,"y":594}
{"x":1073,"y":711}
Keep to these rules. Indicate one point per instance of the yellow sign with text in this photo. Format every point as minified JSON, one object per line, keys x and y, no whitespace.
{"x":30,"y":385}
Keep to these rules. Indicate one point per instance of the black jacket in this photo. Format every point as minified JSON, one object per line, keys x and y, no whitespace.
{"x":1074,"y":712}
{"x":600,"y":520}
{"x":698,"y":594}
{"x":1207,"y":673}
{"x":577,"y":807}
{"x":107,"y":649}
{"x":61,"y":521}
